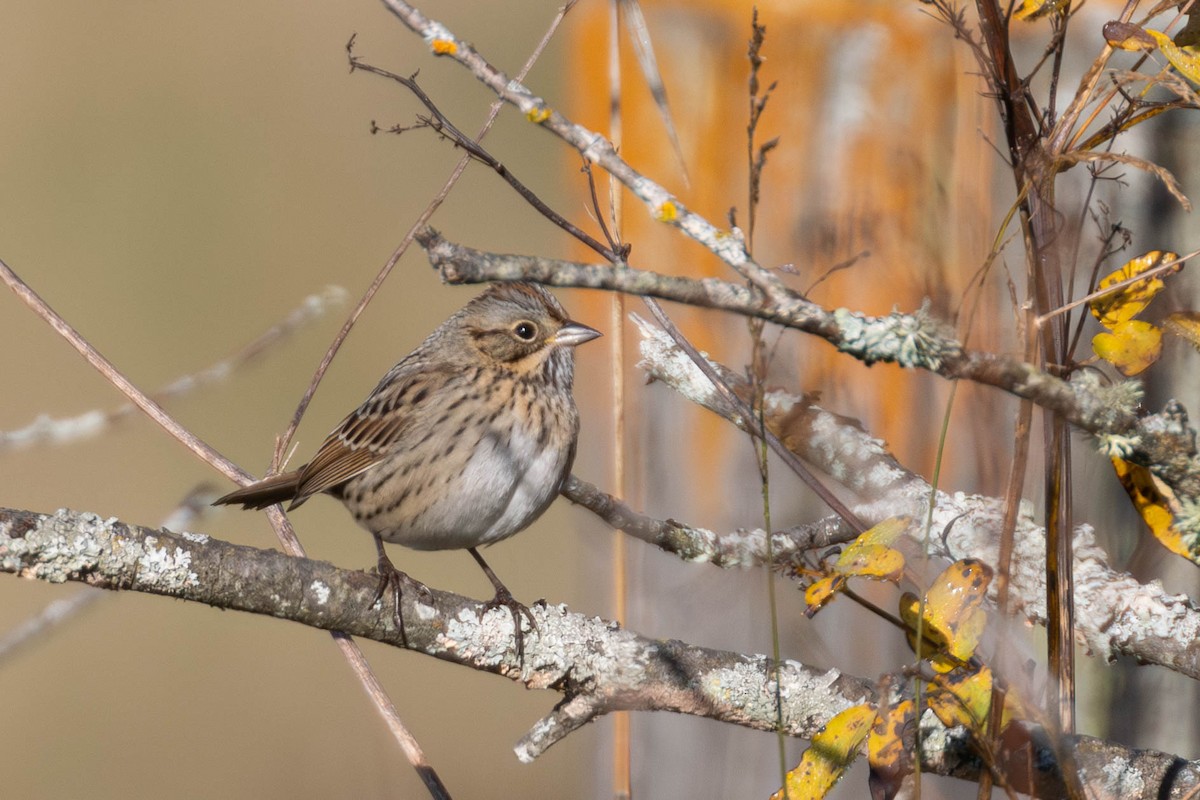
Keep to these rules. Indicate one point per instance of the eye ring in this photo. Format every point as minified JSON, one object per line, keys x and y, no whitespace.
{"x":525,"y":330}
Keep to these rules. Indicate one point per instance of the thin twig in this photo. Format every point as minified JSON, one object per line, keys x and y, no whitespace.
{"x":206,"y":453}
{"x":144,"y":402}
{"x":666,"y":207}
{"x":92,"y":423}
{"x":622,"y":734}
{"x":440,"y":123}
{"x":421,"y":221}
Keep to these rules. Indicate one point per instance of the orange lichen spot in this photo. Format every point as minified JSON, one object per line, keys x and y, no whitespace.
{"x":444,"y":47}
{"x":667,"y":212}
{"x":538,"y":114}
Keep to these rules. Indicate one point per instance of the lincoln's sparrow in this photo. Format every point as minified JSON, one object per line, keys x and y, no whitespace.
{"x":465,"y":442}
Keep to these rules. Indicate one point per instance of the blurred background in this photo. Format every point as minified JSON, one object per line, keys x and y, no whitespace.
{"x":179,"y":178}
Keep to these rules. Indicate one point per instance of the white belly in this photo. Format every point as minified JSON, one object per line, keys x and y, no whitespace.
{"x":501,"y":490}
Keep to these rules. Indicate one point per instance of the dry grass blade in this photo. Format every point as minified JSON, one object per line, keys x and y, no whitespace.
{"x":639,"y":32}
{"x":1168,"y":180}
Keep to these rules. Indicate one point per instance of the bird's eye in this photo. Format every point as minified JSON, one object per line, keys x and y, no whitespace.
{"x":525,"y":330}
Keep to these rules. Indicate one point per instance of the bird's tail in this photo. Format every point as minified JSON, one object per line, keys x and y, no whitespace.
{"x":267,"y":492}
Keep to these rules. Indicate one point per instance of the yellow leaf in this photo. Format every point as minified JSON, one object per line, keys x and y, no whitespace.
{"x":1032,"y":9}
{"x":868,"y":556}
{"x":1125,"y":304}
{"x":831,"y":752}
{"x":819,"y":592}
{"x":962,"y":698}
{"x":1185,"y":324}
{"x":890,"y":745}
{"x":872,"y":561}
{"x":1016,"y":708}
{"x":954,"y":615}
{"x":1131,"y":347}
{"x":1184,"y":59}
{"x":1156,"y":504}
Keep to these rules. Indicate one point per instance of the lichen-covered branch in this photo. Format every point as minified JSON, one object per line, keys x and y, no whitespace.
{"x":591,"y":661}
{"x":595,"y":148}
{"x":1164,"y":442}
{"x":597,"y":666}
{"x":1116,"y":613}
{"x":739,"y":548}
{"x":1114,"y":608}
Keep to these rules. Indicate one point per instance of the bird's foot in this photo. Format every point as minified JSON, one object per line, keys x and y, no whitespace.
{"x":393,"y":581}
{"x":519,"y":610}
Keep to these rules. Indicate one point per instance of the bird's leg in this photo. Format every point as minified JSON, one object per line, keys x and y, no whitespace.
{"x":390,"y":577}
{"x":504,"y":598}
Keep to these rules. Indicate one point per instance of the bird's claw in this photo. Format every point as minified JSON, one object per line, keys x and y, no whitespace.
{"x":504,"y":599}
{"x":395,"y":580}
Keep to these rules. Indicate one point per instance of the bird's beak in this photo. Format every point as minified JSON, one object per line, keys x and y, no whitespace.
{"x":573,"y":334}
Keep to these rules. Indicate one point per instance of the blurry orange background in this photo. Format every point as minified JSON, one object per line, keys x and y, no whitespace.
{"x":179,"y":177}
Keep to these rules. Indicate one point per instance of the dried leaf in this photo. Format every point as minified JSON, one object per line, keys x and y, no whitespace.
{"x":1127,"y":36}
{"x":1016,"y":707}
{"x":1033,"y":9}
{"x":1169,"y":181}
{"x":871,"y":556}
{"x":1185,"y":325}
{"x":821,"y":591}
{"x":1185,"y":59}
{"x":1189,"y":35}
{"x":889,"y":748}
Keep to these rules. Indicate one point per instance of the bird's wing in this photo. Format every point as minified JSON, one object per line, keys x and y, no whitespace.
{"x":372,"y":430}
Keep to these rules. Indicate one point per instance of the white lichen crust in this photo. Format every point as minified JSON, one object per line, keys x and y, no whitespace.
{"x":914,"y":340}
{"x":71,"y":544}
